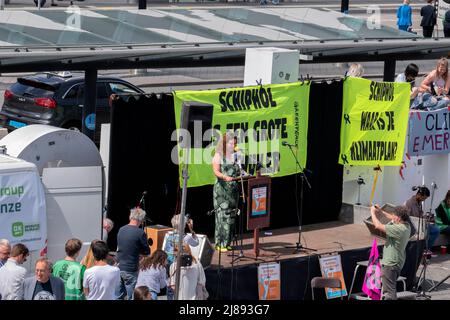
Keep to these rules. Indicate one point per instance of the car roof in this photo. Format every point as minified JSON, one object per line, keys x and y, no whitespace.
{"x":53,"y":81}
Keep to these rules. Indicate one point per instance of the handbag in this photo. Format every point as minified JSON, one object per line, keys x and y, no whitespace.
{"x":201,"y":292}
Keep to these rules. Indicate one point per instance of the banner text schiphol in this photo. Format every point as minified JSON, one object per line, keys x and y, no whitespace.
{"x":259,"y":117}
{"x":264,"y":130}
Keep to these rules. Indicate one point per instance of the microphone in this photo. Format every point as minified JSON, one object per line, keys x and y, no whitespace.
{"x":239,"y":150}
{"x":142,"y":199}
{"x":287,"y":144}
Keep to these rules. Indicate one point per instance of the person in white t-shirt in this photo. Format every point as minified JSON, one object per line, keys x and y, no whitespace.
{"x":410,"y":74}
{"x":101,"y":280}
{"x":153,"y":273}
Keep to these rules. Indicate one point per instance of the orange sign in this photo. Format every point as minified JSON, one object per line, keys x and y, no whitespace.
{"x":269,"y":284}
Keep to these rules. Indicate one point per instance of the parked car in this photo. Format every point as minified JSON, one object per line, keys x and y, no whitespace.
{"x":57,"y":99}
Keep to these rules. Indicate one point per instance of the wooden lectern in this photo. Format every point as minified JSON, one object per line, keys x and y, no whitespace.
{"x":258,"y":207}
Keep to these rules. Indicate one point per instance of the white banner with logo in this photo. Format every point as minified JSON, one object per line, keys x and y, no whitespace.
{"x":22,"y":209}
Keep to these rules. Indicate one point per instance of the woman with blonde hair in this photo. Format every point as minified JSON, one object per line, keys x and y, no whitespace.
{"x":88,"y":260}
{"x":435,"y":86}
{"x":355,"y":70}
{"x":225,"y":191}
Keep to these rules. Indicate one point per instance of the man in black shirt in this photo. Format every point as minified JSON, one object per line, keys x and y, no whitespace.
{"x":131,"y":243}
{"x":428,"y":22}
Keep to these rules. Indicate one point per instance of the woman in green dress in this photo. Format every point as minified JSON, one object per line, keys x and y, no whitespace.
{"x":226,"y":191}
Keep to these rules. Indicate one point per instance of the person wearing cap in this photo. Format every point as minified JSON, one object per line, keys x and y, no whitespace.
{"x":394,"y":253}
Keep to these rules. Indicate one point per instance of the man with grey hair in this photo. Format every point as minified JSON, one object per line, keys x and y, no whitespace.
{"x":131,"y":243}
{"x":107,"y":227}
{"x":5,"y":251}
{"x":43,"y":285}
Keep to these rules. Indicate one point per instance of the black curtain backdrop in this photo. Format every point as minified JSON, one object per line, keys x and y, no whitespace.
{"x":140,"y":160}
{"x":241,"y":283}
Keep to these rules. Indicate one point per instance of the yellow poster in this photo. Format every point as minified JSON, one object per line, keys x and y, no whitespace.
{"x":374,"y":122}
{"x":262,"y":118}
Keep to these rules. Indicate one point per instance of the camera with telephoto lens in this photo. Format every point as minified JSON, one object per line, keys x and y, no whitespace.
{"x":186,"y":260}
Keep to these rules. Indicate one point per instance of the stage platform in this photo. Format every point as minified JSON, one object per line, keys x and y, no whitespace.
{"x":236,"y":279}
{"x":328,"y":237}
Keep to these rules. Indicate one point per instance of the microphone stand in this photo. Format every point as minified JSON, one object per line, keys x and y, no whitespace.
{"x":422,"y":224}
{"x":142,"y":201}
{"x":241,"y":223}
{"x":298,"y":246}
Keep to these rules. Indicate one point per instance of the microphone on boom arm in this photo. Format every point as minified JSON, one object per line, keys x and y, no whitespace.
{"x":142,"y":199}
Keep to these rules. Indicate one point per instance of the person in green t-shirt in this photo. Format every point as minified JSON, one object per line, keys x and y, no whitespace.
{"x":394,"y":253}
{"x":71,"y":271}
{"x":443,"y":215}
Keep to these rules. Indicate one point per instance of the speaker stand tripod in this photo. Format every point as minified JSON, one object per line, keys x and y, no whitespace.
{"x":421,"y":295}
{"x":298,"y":246}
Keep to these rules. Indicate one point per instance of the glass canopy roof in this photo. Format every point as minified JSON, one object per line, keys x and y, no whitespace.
{"x":77,"y":28}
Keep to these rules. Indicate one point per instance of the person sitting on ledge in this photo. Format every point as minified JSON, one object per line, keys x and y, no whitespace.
{"x":443,"y":215}
{"x":434,"y":88}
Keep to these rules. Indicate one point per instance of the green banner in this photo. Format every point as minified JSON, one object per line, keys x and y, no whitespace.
{"x":374,"y":122}
{"x":262,"y":117}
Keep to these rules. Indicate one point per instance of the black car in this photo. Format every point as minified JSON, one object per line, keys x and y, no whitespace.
{"x":57,"y":99}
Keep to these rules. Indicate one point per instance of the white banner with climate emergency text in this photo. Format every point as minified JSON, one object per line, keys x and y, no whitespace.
{"x":429,"y":132}
{"x":22,"y":209}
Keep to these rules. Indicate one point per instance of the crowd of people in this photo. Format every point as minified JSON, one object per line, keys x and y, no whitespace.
{"x":132,"y":274}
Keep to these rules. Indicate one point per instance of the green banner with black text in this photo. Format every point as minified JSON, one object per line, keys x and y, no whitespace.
{"x":262,"y":117}
{"x":374,"y":122}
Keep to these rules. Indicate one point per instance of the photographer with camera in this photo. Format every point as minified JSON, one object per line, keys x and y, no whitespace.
{"x":414,"y":204}
{"x":192,"y":276}
{"x":189,"y":239}
{"x":394,"y":253}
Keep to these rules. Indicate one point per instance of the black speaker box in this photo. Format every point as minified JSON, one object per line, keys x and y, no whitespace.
{"x":196,"y":114}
